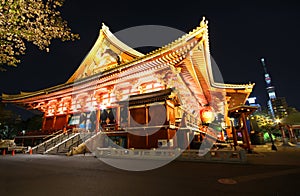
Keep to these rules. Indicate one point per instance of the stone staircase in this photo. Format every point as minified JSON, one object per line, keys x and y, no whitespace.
{"x":51,"y":140}
{"x":65,"y":144}
{"x":61,"y":143}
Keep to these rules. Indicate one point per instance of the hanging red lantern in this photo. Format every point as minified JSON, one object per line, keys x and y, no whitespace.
{"x":207,"y":115}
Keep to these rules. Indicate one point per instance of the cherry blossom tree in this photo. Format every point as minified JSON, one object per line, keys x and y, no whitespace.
{"x":34,"y":21}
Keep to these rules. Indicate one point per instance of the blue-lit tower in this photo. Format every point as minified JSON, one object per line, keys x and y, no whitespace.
{"x":270,"y":89}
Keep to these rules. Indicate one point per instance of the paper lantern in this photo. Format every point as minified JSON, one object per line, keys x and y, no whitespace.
{"x":207,"y":115}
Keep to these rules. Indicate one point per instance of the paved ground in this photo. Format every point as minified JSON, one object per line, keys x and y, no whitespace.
{"x":283,"y":156}
{"x":273,"y":173}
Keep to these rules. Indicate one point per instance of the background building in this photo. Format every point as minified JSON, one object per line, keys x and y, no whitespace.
{"x":252,"y":102}
{"x":280,"y":107}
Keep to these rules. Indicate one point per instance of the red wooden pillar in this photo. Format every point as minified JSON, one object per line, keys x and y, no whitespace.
{"x":54,"y":117}
{"x":234,"y":135}
{"x":147,"y":122}
{"x":246,"y":133}
{"x":44,"y":118}
{"x":118,"y":118}
{"x":290,"y":133}
{"x":67,"y":112}
{"x":147,"y":114}
{"x":99,"y":100}
{"x":283,"y":135}
{"x":54,"y":121}
{"x":128,"y":141}
{"x":147,"y":140}
{"x":98,"y":120}
{"x":44,"y":121}
{"x":188,"y":140}
{"x":128,"y":117}
{"x":222,"y":135}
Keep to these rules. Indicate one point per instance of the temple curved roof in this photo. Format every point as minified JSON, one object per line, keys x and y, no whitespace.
{"x":109,"y":58}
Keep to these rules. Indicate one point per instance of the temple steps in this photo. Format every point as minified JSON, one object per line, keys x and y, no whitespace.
{"x":62,"y":143}
{"x":40,"y":148}
{"x":52,"y":142}
{"x":65,"y":144}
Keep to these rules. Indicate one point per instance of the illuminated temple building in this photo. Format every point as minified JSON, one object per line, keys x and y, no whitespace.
{"x":144,"y":100}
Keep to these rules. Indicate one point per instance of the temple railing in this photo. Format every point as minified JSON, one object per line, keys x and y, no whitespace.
{"x":52,"y":135}
{"x":209,"y":155}
{"x":137,"y":153}
{"x":230,"y":156}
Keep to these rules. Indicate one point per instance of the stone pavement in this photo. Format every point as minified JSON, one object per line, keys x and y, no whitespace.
{"x":285,"y":155}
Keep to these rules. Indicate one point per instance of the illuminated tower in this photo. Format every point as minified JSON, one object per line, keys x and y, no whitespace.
{"x":270,"y":89}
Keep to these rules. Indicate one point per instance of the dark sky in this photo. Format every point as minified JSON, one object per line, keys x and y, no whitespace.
{"x":241,"y":32}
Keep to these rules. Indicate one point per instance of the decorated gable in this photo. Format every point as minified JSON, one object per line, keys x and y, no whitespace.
{"x":108,"y":52}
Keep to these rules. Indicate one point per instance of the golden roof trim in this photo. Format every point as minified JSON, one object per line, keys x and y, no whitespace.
{"x":118,"y":43}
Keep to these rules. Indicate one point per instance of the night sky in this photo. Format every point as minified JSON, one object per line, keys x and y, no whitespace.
{"x":240,"y":34}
